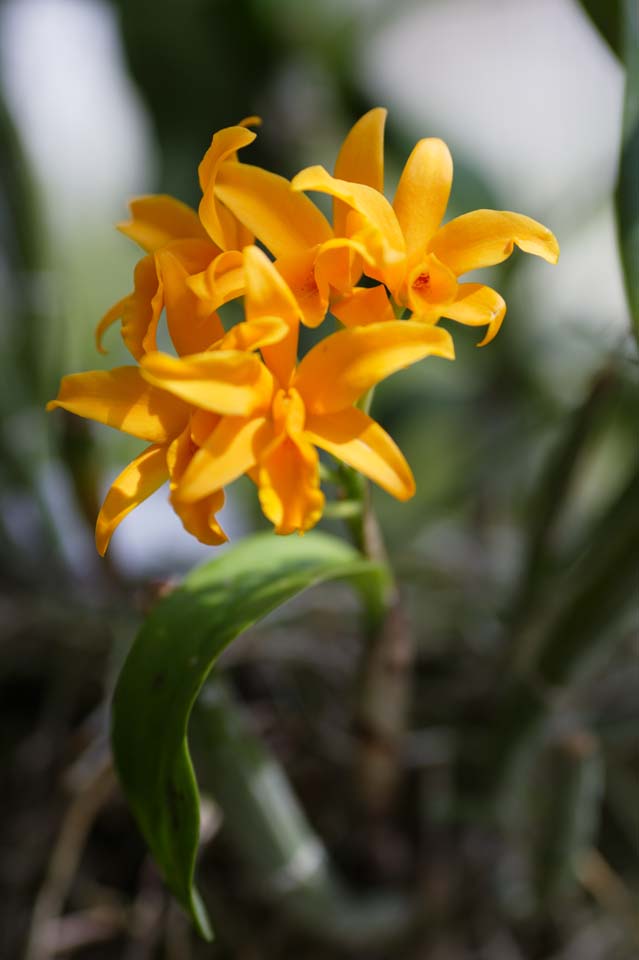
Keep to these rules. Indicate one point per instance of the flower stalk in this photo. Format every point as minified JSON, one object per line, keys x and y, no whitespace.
{"x":385,"y":672}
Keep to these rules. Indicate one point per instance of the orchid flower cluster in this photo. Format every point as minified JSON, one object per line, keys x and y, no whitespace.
{"x":239,"y":401}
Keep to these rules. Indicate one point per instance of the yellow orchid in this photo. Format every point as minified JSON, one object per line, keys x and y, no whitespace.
{"x":239,"y":401}
{"x":418,"y":260}
{"x":180,"y":242}
{"x":272,"y":430}
{"x":403,"y":245}
{"x":318,"y":261}
{"x":123,"y":399}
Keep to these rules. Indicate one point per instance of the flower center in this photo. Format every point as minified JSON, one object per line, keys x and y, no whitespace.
{"x":288,"y":411}
{"x":422,"y":281}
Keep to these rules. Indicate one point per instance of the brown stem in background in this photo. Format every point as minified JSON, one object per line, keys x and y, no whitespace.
{"x":385,"y":683}
{"x":64,"y":860}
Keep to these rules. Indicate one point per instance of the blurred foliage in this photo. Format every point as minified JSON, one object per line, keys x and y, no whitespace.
{"x":517,"y":830}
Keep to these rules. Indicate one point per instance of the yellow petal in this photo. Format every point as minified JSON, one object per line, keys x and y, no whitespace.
{"x":142,"y":477}
{"x":299,"y":273}
{"x":285,"y":221}
{"x":268,"y":294}
{"x":140,"y":311}
{"x":336,"y":372}
{"x":369,"y":203}
{"x":361,"y":159}
{"x":281,"y":357}
{"x":218,"y":223}
{"x":203,"y":423}
{"x":192,"y":325}
{"x":113,"y":313}
{"x":224,"y":143}
{"x":157,"y":220}
{"x":254,"y":334}
{"x":223,"y":280}
{"x":159,"y":281}
{"x":356,"y":439}
{"x":422,"y":193}
{"x":485,"y":237}
{"x":288,"y":480}
{"x":199,"y":519}
{"x":339,"y":265}
{"x":121,"y":398}
{"x":231,"y":450}
{"x":365,"y":305}
{"x":477,"y":305}
{"x":227,"y":382}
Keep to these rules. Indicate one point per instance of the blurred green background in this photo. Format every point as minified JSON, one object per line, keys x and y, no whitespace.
{"x":517,"y":556}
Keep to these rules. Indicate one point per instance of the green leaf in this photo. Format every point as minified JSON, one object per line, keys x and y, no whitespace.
{"x":605,"y":16}
{"x":627,"y":194}
{"x":169,"y":661}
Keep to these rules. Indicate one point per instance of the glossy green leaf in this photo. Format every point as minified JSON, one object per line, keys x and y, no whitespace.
{"x":169,"y":661}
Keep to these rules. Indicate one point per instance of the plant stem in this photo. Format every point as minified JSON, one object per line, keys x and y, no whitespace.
{"x":385,"y":675}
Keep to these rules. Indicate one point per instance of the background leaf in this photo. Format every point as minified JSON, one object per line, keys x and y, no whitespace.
{"x":605,"y":15}
{"x":168,"y":663}
{"x":627,"y":194}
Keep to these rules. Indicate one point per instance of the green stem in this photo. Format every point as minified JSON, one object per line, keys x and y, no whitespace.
{"x":266,"y":825}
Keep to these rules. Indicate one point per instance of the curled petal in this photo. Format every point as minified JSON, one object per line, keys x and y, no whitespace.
{"x":485,"y":237}
{"x":361,"y":160}
{"x":356,"y":439}
{"x":222,"y":381}
{"x":231,"y":450}
{"x":477,"y":305}
{"x":254,"y":334}
{"x":339,"y":265}
{"x":422,"y":193}
{"x":113,"y":314}
{"x":157,"y":220}
{"x":192,"y":325}
{"x":286,"y":222}
{"x":224,"y":144}
{"x":220,"y":225}
{"x":200,"y":520}
{"x":142,"y":477}
{"x":140,"y":311}
{"x":197,"y":518}
{"x":365,"y":305}
{"x":121,"y":398}
{"x":221,"y":281}
{"x":336,"y":372}
{"x":289,"y":485}
{"x":370,"y":204}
